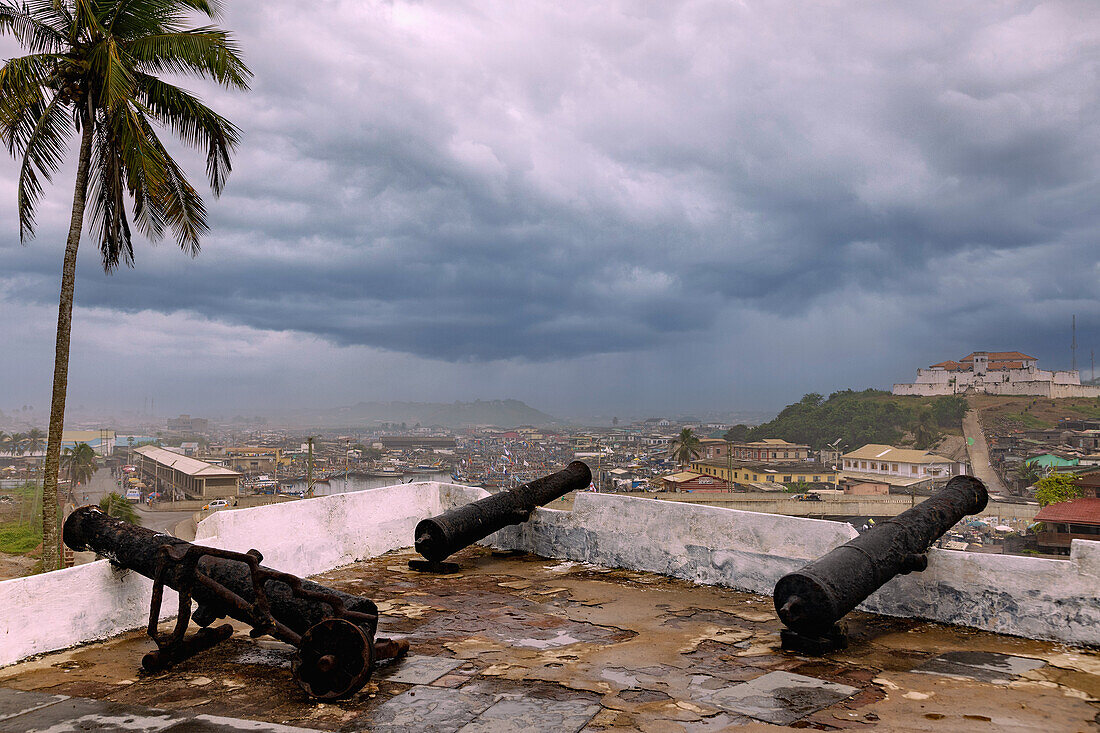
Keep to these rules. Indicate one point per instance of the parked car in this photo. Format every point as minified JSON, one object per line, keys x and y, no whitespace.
{"x":217,"y":504}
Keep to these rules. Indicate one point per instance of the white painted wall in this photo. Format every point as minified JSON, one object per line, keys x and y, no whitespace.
{"x":314,"y":535}
{"x":43,"y":613}
{"x":1049,"y":599}
{"x":1024,"y":596}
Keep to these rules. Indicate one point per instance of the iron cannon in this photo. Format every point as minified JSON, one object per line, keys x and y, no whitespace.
{"x":334,"y":632}
{"x":811,"y":601}
{"x":441,"y":536}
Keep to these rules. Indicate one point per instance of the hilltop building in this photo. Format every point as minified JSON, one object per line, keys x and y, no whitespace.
{"x":996,"y":373}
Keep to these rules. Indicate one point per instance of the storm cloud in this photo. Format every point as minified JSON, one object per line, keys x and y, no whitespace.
{"x":524,"y":187}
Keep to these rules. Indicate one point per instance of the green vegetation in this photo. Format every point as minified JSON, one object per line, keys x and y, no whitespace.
{"x":685,"y":447}
{"x":103,"y":73}
{"x":23,"y":532}
{"x":858,"y":418}
{"x":115,"y":505}
{"x":1027,"y":419}
{"x":1087,"y":410}
{"x":1056,"y":488}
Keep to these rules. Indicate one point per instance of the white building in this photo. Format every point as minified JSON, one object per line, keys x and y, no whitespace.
{"x":886,"y":460}
{"x":999,"y":373}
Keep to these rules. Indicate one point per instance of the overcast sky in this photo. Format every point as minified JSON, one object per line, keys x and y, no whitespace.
{"x":620,"y":207}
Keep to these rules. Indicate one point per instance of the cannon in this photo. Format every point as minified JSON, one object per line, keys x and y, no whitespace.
{"x":811,"y":601}
{"x":332,"y":631}
{"x":441,"y":536}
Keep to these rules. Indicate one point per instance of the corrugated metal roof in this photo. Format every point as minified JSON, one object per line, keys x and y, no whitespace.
{"x":1083,"y":511}
{"x":184,"y":464}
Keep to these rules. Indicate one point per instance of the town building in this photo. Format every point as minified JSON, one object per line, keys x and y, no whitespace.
{"x":886,"y":460}
{"x":997,"y":373}
{"x":175,"y":475}
{"x":687,"y":481}
{"x":769,"y":450}
{"x":765,"y":476}
{"x":1067,"y":521}
{"x":188,"y":424}
{"x":101,"y":441}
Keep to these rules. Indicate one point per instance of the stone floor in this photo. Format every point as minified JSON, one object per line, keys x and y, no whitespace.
{"x":525,"y":643}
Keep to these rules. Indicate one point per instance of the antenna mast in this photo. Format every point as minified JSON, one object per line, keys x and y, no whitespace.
{"x":1073,"y":345}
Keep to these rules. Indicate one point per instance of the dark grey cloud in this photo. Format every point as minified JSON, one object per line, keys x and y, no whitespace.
{"x":471,"y":182}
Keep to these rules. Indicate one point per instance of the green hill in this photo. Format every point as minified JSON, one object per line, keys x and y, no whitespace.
{"x":870,"y":416}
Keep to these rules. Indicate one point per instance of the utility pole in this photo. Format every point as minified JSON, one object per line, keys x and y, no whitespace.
{"x":729,"y":465}
{"x":347,"y":449}
{"x":1073,"y":345}
{"x":309,"y":469}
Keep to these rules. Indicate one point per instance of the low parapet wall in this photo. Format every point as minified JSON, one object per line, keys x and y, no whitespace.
{"x":1024,"y":596}
{"x":1034,"y":597}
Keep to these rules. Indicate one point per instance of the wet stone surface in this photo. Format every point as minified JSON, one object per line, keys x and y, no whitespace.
{"x":780,"y":697}
{"x":982,"y":666}
{"x":521,"y":641}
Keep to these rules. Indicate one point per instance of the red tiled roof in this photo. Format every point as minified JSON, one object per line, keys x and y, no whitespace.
{"x":1000,"y":356}
{"x":1080,"y":511}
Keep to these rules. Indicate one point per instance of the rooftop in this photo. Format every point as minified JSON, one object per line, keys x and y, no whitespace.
{"x":567,"y":646}
{"x":1085,"y":510}
{"x":623,"y":613}
{"x":184,"y":464}
{"x":874,"y":451}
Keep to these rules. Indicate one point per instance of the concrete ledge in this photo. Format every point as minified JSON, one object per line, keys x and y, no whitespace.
{"x":1034,"y":597}
{"x":313,"y":535}
{"x":44,"y":613}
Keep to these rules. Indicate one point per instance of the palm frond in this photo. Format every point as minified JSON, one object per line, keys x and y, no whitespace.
{"x":42,"y":155}
{"x":205,"y":51}
{"x":194,"y":123}
{"x":33,"y":31}
{"x":107,"y":63}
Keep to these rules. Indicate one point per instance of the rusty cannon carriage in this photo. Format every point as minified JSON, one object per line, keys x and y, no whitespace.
{"x":812,"y":601}
{"x":439,"y":537}
{"x":333,"y":632}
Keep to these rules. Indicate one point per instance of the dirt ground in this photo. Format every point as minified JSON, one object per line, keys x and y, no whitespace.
{"x":1034,"y":412}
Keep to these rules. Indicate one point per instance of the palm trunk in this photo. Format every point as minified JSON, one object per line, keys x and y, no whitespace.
{"x":51,"y":536}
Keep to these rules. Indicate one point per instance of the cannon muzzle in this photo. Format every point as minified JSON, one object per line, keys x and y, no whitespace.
{"x":810,"y":601}
{"x":439,"y":537}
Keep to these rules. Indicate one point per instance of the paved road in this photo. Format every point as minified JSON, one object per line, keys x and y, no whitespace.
{"x":102,"y":483}
{"x":978,"y":451}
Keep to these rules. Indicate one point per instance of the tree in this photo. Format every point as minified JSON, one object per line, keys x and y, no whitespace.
{"x":925,"y":434}
{"x":92,"y":69}
{"x":1027,"y":473}
{"x":736,"y":434}
{"x":34,"y":440}
{"x":18,"y":443}
{"x":115,"y":505}
{"x":949,"y":410}
{"x":684,"y":447}
{"x":79,"y":463}
{"x":1055,"y":488}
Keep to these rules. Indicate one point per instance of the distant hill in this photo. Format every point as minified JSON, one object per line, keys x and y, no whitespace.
{"x":870,"y":416}
{"x":501,"y":413}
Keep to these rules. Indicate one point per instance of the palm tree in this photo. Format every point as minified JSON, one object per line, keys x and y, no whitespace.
{"x":684,"y":447}
{"x":92,"y":69}
{"x":3,"y":440}
{"x":80,"y":465}
{"x":34,"y":440}
{"x":17,"y":442}
{"x":1028,"y":473}
{"x":115,"y":505}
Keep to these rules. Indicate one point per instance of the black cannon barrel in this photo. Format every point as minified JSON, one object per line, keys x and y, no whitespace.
{"x":443,"y":535}
{"x":809,"y":601}
{"x":137,"y":548}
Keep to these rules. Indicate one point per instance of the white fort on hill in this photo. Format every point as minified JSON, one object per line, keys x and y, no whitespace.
{"x":998,"y":373}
